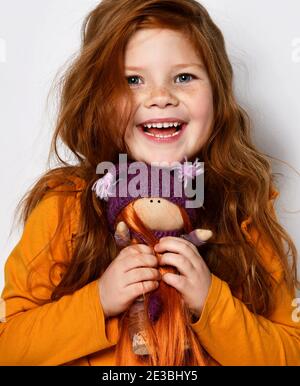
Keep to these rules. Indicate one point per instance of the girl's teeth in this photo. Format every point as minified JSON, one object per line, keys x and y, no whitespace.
{"x":162,"y":125}
{"x":162,"y":136}
{"x":152,"y":129}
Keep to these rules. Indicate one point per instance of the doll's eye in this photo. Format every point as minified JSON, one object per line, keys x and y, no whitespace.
{"x":151,"y":200}
{"x":159,"y":201}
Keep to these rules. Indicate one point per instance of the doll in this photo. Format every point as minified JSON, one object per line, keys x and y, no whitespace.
{"x":163,"y":216}
{"x":145,"y":219}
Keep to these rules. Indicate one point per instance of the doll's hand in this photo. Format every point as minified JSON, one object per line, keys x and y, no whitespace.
{"x":195,"y":278}
{"x":198,"y":236}
{"x":122,"y":234}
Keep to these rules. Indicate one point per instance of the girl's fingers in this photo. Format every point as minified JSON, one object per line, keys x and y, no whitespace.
{"x":137,"y":289}
{"x":139,"y":260}
{"x":183,"y":265}
{"x":142,"y":274}
{"x":176,"y":281}
{"x":135,"y":249}
{"x":180,"y":246}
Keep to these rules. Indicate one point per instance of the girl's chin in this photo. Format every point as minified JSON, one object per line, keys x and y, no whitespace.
{"x":165,"y":160}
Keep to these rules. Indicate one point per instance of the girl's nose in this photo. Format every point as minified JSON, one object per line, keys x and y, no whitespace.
{"x":161,"y":97}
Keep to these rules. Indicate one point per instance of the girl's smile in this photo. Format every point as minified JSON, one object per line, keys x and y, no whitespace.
{"x":167,"y":131}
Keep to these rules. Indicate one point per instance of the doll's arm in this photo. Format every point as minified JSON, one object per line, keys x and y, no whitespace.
{"x":198,"y":236}
{"x":122,"y":234}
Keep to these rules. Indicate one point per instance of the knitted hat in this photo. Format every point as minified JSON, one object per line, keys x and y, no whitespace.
{"x":126,"y":182}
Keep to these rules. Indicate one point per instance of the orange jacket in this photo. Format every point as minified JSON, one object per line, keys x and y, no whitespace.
{"x":73,"y":331}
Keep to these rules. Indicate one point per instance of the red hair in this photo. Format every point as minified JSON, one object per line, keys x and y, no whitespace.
{"x":168,"y":336}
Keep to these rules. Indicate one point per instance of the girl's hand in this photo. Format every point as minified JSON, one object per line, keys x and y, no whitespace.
{"x":133,"y":272}
{"x":194,"y":277}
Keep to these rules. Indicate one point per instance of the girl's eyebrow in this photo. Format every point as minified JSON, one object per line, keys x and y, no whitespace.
{"x":180,"y":65}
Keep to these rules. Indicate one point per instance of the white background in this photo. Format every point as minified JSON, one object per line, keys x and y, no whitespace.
{"x":38,"y":37}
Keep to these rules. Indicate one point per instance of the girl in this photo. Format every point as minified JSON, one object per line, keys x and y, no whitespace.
{"x":66,"y":284}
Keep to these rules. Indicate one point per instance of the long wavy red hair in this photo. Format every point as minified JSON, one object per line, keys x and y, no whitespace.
{"x":238,"y":177}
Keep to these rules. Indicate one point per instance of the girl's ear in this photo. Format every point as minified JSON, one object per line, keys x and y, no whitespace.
{"x":198,"y":236}
{"x":122,"y":234}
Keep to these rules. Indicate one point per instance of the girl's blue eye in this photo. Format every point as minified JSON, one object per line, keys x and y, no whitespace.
{"x":186,"y":75}
{"x":138,"y":77}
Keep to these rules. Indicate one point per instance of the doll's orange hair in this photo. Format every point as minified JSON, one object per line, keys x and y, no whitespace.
{"x":168,"y":336}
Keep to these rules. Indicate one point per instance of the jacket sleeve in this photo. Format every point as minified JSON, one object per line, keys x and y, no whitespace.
{"x":234,"y":336}
{"x":57,"y":332}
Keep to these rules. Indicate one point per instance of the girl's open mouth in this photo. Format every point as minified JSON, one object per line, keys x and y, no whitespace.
{"x":164,"y":135}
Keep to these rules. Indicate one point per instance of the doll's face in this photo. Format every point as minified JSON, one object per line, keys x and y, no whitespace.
{"x":164,"y":88}
{"x":158,"y":213}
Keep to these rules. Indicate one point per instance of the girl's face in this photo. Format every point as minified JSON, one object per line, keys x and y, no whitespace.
{"x":169,"y":81}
